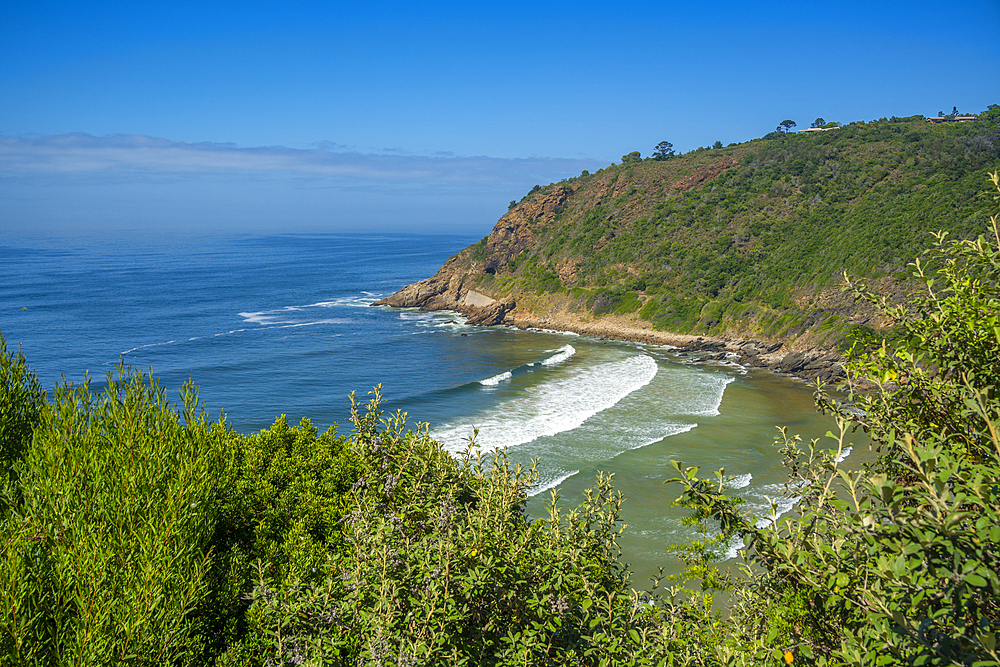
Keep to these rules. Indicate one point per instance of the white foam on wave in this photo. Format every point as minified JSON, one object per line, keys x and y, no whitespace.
{"x":265,"y":317}
{"x":767,"y":504}
{"x":281,"y":315}
{"x":563,"y":353}
{"x":553,"y":331}
{"x":140,"y":347}
{"x":770,"y":502}
{"x":496,"y":379}
{"x":670,"y":429}
{"x":355,"y":301}
{"x":417,"y":315}
{"x":363,"y":300}
{"x":733,"y":548}
{"x":739,"y":481}
{"x":549,"y":484}
{"x":844,"y":454}
{"x":231,"y":331}
{"x":699,"y":394}
{"x":713,"y":392}
{"x":552,"y":407}
{"x":309,"y":324}
{"x":438,"y":319}
{"x":781,"y":505}
{"x":455,"y":322}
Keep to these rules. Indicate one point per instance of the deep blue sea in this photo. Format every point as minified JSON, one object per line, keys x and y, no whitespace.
{"x":270,"y":325}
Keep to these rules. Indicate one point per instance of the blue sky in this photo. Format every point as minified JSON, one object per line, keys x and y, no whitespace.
{"x":326,"y":116}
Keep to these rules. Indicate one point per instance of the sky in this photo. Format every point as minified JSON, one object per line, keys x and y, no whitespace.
{"x":429,"y":118}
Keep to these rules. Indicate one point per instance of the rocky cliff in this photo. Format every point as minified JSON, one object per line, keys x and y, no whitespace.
{"x":738,"y":251}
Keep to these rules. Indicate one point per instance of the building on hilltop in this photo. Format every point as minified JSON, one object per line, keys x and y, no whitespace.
{"x":951,"y":119}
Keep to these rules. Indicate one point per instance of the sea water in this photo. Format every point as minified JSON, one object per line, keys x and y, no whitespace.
{"x":270,"y":325}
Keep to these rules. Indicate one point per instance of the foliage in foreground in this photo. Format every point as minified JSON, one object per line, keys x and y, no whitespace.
{"x":897,"y":564}
{"x":443,"y":567}
{"x":136,"y":532}
{"x":129,"y":527}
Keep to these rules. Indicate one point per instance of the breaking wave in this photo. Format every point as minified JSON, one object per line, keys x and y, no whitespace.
{"x":552,"y":407}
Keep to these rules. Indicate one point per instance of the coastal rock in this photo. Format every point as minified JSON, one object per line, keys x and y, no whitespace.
{"x":444,"y":291}
{"x":491,"y":314}
{"x":416,"y":295}
{"x":825,"y":367}
{"x":706,"y":345}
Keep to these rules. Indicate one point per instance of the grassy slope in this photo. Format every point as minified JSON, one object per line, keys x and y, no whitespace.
{"x":745,"y":241}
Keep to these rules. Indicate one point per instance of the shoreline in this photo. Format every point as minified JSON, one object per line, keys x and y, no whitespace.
{"x":617,"y":332}
{"x":806,"y":365}
{"x":437,"y":294}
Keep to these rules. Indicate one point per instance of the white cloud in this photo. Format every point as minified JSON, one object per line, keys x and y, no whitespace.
{"x":136,"y":156}
{"x":82,"y":182}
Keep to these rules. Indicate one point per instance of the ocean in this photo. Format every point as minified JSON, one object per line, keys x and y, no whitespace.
{"x":281,"y":324}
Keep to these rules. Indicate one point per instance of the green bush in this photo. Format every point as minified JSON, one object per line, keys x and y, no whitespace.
{"x":130,"y":529}
{"x":292,"y":489}
{"x":105,"y":546}
{"x":896,"y":564}
{"x":21,"y":404}
{"x":445,"y":569}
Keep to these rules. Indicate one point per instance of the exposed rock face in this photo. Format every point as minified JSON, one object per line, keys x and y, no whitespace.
{"x":512,"y":234}
{"x":808,"y":365}
{"x":822,"y":366}
{"x":445,"y":291}
{"x":476,"y":299}
{"x":491,"y":314}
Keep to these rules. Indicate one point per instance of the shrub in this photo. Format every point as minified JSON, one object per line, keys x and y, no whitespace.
{"x":896,"y":564}
{"x":444,"y":568}
{"x":292,"y":489}
{"x":105,"y":553}
{"x":21,"y":404}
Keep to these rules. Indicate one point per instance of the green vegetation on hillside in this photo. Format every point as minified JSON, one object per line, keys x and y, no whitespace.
{"x":752,"y":239}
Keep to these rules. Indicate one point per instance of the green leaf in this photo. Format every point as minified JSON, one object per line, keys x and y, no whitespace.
{"x":974,"y":579}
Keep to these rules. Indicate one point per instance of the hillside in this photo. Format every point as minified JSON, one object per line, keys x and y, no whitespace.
{"x":746,"y":242}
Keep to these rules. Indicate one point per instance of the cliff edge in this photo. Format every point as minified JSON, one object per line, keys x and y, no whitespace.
{"x":737,"y":251}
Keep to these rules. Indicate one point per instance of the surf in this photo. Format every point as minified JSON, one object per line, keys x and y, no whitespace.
{"x":561,"y":354}
{"x":552,"y":407}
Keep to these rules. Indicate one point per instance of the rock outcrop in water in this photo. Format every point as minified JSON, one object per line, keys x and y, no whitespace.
{"x":445,"y":291}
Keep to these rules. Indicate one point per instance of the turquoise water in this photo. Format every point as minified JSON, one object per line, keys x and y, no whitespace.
{"x":282,"y":325}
